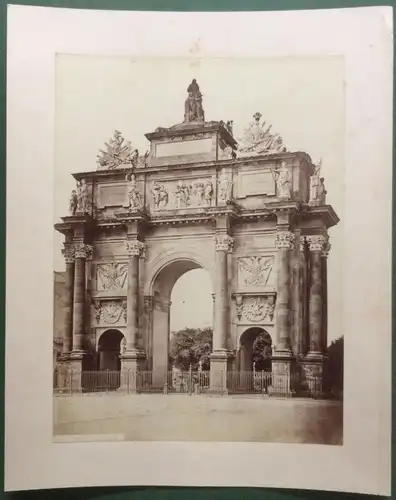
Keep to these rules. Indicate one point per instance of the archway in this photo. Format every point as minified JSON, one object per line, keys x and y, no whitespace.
{"x":109,"y":350}
{"x":255,"y":350}
{"x":172,"y":314}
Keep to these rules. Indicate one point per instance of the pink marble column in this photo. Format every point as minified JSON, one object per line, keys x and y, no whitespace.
{"x":219,"y":356}
{"x":317,"y":244}
{"x":133,"y":357}
{"x":81,"y":253}
{"x":134,"y":249}
{"x":284,"y":243}
{"x":68,"y":253}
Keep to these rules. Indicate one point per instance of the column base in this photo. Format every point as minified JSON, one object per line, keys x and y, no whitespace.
{"x":282,"y":374}
{"x":312,"y":374}
{"x":70,"y":378}
{"x":218,"y":372}
{"x":132,"y":362}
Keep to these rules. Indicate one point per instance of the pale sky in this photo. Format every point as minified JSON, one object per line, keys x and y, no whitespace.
{"x":303,"y":99}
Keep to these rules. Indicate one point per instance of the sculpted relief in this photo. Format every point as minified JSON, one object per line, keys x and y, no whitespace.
{"x":182,"y":194}
{"x":111,"y":277}
{"x":255,"y":309}
{"x":255,"y":271}
{"x":110,"y":312}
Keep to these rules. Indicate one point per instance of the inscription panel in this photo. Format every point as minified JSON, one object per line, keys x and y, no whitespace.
{"x":181,"y":148}
{"x":112,"y":195}
{"x":255,"y":183}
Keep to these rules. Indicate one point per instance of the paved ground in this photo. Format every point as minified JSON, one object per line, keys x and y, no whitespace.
{"x":196,"y":418}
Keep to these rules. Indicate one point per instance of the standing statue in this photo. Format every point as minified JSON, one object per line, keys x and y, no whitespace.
{"x":193,"y":110}
{"x":73,"y":202}
{"x":282,"y":178}
{"x":82,"y":197}
{"x":314,"y":184}
{"x":133,"y":193}
{"x":225,"y":186}
{"x":321,"y":197}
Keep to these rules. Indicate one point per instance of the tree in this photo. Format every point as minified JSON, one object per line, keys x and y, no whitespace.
{"x":262,"y":352}
{"x":189,"y":346}
{"x":334,"y":373}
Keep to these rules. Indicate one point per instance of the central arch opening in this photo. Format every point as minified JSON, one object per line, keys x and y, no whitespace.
{"x":182,"y":320}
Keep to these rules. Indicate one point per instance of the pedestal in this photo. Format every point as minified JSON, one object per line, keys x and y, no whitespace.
{"x":312,"y":375}
{"x":132,"y":362}
{"x":74,"y":364}
{"x":218,"y":372}
{"x":282,"y":376}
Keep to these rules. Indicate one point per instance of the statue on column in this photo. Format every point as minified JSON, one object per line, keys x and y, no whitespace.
{"x":225,"y":186}
{"x":282,"y":178}
{"x":73,"y":202}
{"x":193,"y":110}
{"x":82,"y":197}
{"x":317,"y":191}
{"x":133,"y":193}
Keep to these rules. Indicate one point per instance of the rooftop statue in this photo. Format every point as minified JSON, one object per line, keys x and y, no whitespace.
{"x":258,"y":138}
{"x":193,"y":110}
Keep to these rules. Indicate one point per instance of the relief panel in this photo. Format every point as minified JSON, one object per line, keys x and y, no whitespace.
{"x":256,"y":271}
{"x":255,"y":309}
{"x":189,"y":193}
{"x":110,"y":312}
{"x":111,"y":276}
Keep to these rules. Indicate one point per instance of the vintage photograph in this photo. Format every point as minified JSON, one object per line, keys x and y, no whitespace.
{"x":197,"y":295}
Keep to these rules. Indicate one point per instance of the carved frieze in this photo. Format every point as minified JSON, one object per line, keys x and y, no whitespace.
{"x":111,"y":276}
{"x":256,"y":270}
{"x":181,"y":194}
{"x":255,"y":309}
{"x":110,"y":312}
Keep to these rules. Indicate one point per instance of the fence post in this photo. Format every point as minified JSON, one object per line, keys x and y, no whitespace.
{"x":190,"y":382}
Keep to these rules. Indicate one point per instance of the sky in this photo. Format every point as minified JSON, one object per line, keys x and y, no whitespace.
{"x":303,"y":99}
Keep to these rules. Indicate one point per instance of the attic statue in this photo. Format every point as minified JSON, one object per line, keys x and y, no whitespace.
{"x":193,"y":111}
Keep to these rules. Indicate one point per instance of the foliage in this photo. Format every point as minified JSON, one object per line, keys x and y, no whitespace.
{"x":189,"y":346}
{"x":262,"y":352}
{"x":335,"y":365}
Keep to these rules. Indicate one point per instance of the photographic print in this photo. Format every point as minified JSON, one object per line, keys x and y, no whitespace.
{"x":199,"y":249}
{"x":191,"y":268}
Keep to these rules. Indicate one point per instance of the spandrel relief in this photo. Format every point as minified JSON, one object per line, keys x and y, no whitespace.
{"x":255,"y":270}
{"x":111,"y":276}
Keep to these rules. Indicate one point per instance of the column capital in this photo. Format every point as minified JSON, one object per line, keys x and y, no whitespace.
{"x":135,"y":247}
{"x":285,"y":240}
{"x":68,"y":252}
{"x":317,"y":243}
{"x":224,"y":243}
{"x":326,"y":250}
{"x":83,"y":251}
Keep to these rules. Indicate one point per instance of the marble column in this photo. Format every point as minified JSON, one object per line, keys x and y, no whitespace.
{"x":219,"y":356}
{"x":313,"y":362}
{"x":81,"y":253}
{"x":282,"y":359}
{"x":76,"y":357}
{"x":325,"y":254}
{"x":317,"y":245}
{"x":68,"y":253}
{"x":284,"y":244}
{"x":132,"y":358}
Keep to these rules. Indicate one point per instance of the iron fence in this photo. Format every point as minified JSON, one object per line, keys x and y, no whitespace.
{"x":189,"y":382}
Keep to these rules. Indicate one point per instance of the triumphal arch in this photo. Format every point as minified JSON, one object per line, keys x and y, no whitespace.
{"x":250,"y":212}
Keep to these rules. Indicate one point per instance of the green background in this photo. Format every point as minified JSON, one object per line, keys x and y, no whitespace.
{"x":143,"y":493}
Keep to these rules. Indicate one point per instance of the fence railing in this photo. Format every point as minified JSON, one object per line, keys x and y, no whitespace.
{"x":188,"y":382}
